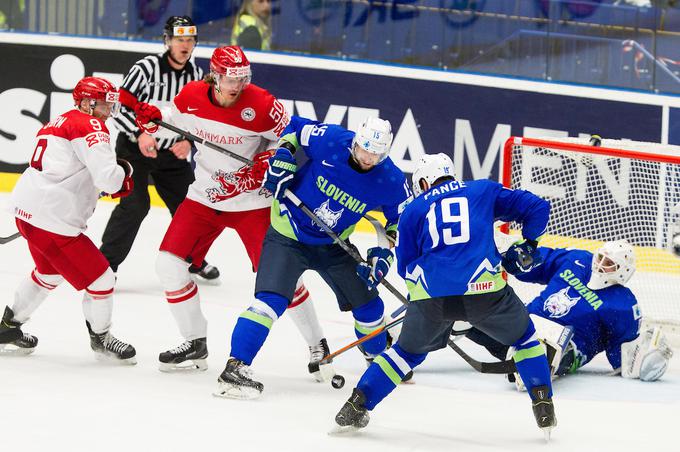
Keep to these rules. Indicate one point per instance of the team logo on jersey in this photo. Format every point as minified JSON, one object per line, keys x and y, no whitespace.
{"x":97,"y":137}
{"x":231,"y":184}
{"x":247,"y":114}
{"x":560,"y":303}
{"x":327,"y":215}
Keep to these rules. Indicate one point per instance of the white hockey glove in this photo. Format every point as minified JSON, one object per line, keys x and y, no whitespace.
{"x":647,"y":356}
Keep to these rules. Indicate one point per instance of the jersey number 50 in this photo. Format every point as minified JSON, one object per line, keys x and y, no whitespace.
{"x":447,"y":234}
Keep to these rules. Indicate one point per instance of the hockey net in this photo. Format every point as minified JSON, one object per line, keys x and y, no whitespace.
{"x":619,"y":190}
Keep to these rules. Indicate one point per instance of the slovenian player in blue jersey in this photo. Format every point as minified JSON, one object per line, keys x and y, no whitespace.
{"x":345,"y":177}
{"x":585,"y":294}
{"x":447,"y":255}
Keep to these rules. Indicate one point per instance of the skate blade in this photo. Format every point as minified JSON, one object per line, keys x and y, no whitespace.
{"x":206,"y":282}
{"x":13,"y":350}
{"x":546,"y":433}
{"x":229,"y":391}
{"x":347,"y":430}
{"x":195,"y":365}
{"x":324,"y":374}
{"x":106,"y":358}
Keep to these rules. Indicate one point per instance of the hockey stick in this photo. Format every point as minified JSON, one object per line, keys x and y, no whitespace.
{"x":9,"y":238}
{"x":508,"y":365}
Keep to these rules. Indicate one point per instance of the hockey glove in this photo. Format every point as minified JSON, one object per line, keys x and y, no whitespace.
{"x":279,"y":175}
{"x":128,"y":183}
{"x":522,"y":257}
{"x":145,"y":114}
{"x":260,"y":166}
{"x":375,"y":269}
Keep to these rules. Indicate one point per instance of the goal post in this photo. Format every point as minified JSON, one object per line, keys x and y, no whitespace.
{"x":621,"y":189}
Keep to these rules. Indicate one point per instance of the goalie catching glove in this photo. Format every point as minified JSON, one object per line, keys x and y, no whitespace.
{"x":522,"y":257}
{"x":377,"y":266}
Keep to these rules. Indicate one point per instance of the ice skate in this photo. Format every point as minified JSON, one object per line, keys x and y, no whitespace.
{"x":544,"y":410}
{"x":323,"y":372}
{"x":13,"y":341}
{"x":190,"y":355}
{"x":353,"y":416}
{"x":108,"y":347}
{"x":236,"y":382}
{"x":206,"y":274}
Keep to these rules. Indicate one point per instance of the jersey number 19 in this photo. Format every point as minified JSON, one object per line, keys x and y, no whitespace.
{"x":446,"y":234}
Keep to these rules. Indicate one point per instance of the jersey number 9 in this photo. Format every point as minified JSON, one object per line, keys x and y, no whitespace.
{"x":449,"y":218}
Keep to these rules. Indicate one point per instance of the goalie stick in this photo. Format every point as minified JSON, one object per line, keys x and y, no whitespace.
{"x":9,"y":238}
{"x":501,"y":367}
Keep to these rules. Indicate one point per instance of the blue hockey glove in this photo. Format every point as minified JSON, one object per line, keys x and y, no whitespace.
{"x":379,"y":261}
{"x":282,"y":167}
{"x":522,"y":257}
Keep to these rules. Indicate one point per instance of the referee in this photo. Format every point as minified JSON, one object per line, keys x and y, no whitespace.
{"x":155,"y":79}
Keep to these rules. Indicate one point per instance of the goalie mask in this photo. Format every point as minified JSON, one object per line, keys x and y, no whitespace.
{"x":430,"y":168}
{"x":647,"y":356}
{"x":373,"y":136}
{"x":613,"y":263}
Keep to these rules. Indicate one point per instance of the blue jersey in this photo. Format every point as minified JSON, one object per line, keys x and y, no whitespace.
{"x":602,"y":319}
{"x":446,"y":236}
{"x":338,"y":194}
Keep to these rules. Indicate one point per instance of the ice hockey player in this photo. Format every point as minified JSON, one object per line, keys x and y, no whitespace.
{"x":346,"y":176}
{"x":72,"y":163}
{"x":585,"y":309}
{"x":447,"y":256}
{"x":228,"y":110}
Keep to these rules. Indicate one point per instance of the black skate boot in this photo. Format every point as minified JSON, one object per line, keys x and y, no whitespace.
{"x":13,"y":341}
{"x":195,"y":351}
{"x":321,"y":372}
{"x":544,"y":410}
{"x":206,"y":273}
{"x":353,"y":415}
{"x":106,"y":346}
{"x":236,"y":382}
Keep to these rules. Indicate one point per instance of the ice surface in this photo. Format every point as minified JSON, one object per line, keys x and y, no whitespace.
{"x":61,"y":398}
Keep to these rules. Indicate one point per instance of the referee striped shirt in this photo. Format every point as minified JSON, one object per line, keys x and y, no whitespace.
{"x":154,"y":81}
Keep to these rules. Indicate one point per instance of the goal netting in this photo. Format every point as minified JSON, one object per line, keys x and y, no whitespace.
{"x":619,"y":190}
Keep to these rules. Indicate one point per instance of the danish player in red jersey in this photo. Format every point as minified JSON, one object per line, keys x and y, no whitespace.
{"x":71,"y":165}
{"x":228,"y":110}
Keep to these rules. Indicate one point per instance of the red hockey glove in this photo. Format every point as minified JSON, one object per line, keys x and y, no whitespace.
{"x":260,"y":165}
{"x":128,"y":183}
{"x":145,"y":114}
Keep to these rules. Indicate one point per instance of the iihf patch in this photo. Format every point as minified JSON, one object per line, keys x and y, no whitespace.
{"x":248,"y":114}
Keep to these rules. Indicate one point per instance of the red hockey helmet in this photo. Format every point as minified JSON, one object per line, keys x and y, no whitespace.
{"x":230,"y":61}
{"x":97,"y":89}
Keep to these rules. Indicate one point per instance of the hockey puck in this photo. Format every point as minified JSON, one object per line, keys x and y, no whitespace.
{"x":338,"y":381}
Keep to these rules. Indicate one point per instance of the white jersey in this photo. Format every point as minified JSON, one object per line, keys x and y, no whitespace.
{"x":72,"y":162}
{"x":250,"y":126}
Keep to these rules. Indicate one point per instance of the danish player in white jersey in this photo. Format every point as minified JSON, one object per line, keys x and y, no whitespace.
{"x":71,"y":165}
{"x":228,"y":110}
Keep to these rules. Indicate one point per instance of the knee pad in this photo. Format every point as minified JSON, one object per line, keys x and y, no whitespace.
{"x":528,"y":337}
{"x":370,"y":312}
{"x":269,"y":304}
{"x":48,"y":282}
{"x":172,"y":271}
{"x":103,"y":285}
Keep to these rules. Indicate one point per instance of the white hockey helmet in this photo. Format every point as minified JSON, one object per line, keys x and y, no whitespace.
{"x":375,"y":136}
{"x":647,"y":356}
{"x":613,"y":263}
{"x":430,"y":168}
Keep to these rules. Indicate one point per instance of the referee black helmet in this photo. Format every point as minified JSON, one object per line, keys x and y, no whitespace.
{"x":177,"y":26}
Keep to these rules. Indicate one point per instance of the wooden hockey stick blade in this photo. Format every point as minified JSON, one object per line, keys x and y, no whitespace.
{"x":9,"y":238}
{"x":371,"y":335}
{"x":501,"y":367}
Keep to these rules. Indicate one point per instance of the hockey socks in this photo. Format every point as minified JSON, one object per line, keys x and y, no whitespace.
{"x":253,"y":325}
{"x":531,"y":362}
{"x":31,"y":293}
{"x":386,"y":372}
{"x":369,"y":318}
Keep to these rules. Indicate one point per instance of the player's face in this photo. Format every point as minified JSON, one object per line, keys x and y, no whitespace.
{"x":231,"y":87}
{"x":365,"y":159}
{"x":604,"y":264}
{"x":101,"y":109}
{"x":261,"y":8}
{"x":181,"y":49}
